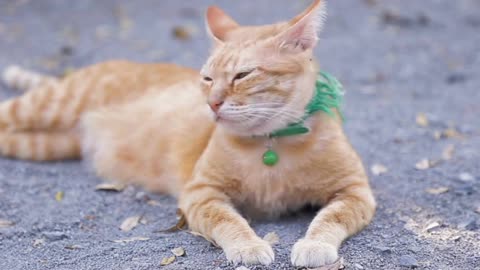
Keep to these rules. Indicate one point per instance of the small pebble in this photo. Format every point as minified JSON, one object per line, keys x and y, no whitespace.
{"x":379,"y":169}
{"x":384,"y":250}
{"x":423,"y":164}
{"x":358,"y":266}
{"x":141,"y":196}
{"x":66,"y":50}
{"x":456,"y":238}
{"x":408,"y":261}
{"x":55,"y":236}
{"x":456,"y":78}
{"x":38,"y":242}
{"x":414,"y":249}
{"x":466,"y":177}
{"x":469,"y":224}
{"x":464,"y":190}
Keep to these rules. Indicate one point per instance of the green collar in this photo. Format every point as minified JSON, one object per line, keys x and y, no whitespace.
{"x":328,"y":96}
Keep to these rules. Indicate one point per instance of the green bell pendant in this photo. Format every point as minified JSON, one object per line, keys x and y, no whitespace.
{"x":270,"y":157}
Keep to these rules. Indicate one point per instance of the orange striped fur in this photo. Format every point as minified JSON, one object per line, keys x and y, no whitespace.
{"x":150,"y":124}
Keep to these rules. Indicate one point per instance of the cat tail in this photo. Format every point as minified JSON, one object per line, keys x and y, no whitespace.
{"x":56,"y":105}
{"x":22,"y":79}
{"x":40,"y":146}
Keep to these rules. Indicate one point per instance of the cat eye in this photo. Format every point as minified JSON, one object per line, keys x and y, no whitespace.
{"x":242,"y":75}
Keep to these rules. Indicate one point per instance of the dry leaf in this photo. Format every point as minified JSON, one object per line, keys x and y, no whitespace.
{"x":90,"y":217}
{"x":73,"y":247}
{"x":423,"y":164}
{"x":131,"y":239}
{"x":130,"y":223}
{"x":179,"y":251}
{"x":439,"y":190}
{"x":456,"y":238}
{"x":448,"y":152}
{"x":167,"y":261}
{"x":334,"y":266}
{"x":110,"y":187}
{"x":451,"y":133}
{"x":181,"y":223}
{"x":153,"y":202}
{"x":6,"y":223}
{"x":378,"y":169}
{"x":422,"y":120}
{"x":182,"y":32}
{"x":448,"y":133}
{"x":272,"y":238}
{"x":432,"y":226}
{"x":59,"y":196}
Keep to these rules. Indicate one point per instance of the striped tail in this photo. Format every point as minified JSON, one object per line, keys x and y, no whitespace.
{"x":21,"y":79}
{"x":56,"y":105}
{"x":40,"y":146}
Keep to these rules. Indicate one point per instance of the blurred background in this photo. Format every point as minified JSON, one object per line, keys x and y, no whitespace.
{"x":411,"y":70}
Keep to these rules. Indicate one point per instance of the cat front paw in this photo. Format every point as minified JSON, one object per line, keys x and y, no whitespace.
{"x":312,"y":254}
{"x":250,"y":252}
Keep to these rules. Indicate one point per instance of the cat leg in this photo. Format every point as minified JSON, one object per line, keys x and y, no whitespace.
{"x":350,"y":210}
{"x":208,"y":211}
{"x":40,"y":146}
{"x":22,"y":79}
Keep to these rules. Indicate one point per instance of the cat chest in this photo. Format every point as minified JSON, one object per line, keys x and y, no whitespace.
{"x":266,"y":191}
{"x":291,"y":183}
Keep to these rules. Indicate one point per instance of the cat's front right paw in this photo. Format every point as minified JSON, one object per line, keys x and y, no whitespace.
{"x":250,"y":252}
{"x":313,"y":254}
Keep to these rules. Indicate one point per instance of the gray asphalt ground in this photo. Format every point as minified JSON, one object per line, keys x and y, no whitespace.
{"x":396,"y":58}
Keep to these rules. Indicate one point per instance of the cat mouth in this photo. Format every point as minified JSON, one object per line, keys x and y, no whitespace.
{"x":246,"y":124}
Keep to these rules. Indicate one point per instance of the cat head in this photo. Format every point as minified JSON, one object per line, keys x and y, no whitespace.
{"x":260,"y":78}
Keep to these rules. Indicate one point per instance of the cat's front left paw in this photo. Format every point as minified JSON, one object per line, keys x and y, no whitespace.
{"x":310,"y":253}
{"x":250,"y":252}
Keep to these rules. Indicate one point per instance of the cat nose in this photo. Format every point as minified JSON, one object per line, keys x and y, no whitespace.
{"x":215,"y":105}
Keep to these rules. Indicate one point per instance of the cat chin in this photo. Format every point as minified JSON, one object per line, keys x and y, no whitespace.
{"x":258,"y":129}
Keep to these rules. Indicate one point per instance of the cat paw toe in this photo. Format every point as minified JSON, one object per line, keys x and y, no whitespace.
{"x":251,"y":252}
{"x":310,"y":253}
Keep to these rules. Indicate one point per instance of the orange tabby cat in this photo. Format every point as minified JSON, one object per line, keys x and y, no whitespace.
{"x":149,"y":124}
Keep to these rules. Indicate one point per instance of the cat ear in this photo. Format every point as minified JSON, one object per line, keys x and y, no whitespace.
{"x":218,"y":24}
{"x":302,"y":32}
